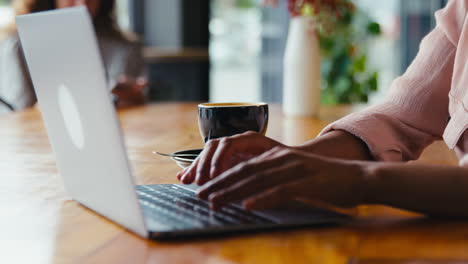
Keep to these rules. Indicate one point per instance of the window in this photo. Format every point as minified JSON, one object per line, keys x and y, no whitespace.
{"x":235,"y":44}
{"x":123,"y":14}
{"x":6,"y":13}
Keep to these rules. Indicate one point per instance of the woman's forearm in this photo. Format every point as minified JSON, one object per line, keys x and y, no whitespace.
{"x":432,"y":190}
{"x":338,"y":144}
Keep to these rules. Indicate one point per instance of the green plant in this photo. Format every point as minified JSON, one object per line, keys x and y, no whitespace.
{"x":245,"y":3}
{"x":344,"y":32}
{"x":346,"y":77}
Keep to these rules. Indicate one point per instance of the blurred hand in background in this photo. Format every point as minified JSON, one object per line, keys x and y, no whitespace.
{"x":130,"y":91}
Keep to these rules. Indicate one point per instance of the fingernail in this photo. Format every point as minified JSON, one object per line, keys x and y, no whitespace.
{"x":182,"y":173}
{"x":211,"y":197}
{"x":248,"y":205}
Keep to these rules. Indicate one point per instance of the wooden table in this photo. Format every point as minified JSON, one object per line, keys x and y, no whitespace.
{"x":39,"y":222}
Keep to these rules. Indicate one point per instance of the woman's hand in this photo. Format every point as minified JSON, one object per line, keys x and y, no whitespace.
{"x":219,"y":155}
{"x":129,"y":92}
{"x":284,"y":174}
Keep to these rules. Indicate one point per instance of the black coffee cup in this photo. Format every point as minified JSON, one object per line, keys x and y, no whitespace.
{"x":217,"y":120}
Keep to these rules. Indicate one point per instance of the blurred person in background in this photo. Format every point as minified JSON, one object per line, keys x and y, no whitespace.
{"x":121,"y":54}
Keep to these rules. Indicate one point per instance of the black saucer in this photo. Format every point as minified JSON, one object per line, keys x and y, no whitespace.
{"x":184,"y":162}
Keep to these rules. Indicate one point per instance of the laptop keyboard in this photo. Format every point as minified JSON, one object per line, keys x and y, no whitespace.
{"x":181,"y":209}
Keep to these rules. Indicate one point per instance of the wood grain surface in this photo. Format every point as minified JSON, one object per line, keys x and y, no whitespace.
{"x":39,"y":223}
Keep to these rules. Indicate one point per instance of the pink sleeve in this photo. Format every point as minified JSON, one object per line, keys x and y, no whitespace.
{"x":415,"y":112}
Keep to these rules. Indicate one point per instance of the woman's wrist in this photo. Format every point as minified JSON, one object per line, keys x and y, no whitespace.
{"x":369,"y":177}
{"x":337,"y":144}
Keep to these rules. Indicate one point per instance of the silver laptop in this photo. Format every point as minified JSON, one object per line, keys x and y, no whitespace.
{"x":68,"y":76}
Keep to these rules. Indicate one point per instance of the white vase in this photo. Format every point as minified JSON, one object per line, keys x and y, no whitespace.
{"x":301,"y":79}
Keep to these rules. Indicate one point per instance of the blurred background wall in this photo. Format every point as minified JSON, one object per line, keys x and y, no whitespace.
{"x":231,"y":50}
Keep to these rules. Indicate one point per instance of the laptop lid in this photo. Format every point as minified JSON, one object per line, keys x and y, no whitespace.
{"x":68,"y":76}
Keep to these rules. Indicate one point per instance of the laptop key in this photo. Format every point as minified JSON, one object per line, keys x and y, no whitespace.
{"x":180,"y":208}
{"x":182,"y":211}
{"x":230,"y":210}
{"x":166,"y":215}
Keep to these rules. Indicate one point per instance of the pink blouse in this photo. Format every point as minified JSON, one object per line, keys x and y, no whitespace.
{"x":428,"y":102}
